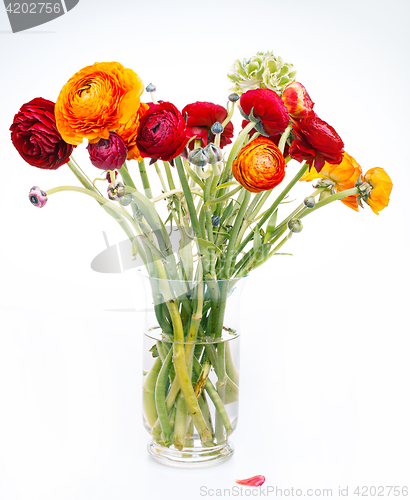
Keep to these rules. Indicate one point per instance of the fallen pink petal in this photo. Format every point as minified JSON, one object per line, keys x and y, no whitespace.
{"x":252,"y":481}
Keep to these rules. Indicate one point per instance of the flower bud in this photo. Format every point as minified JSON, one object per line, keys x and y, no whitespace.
{"x":125,"y":200}
{"x":297,"y":101}
{"x":37,"y":197}
{"x":295,"y":226}
{"x":151,"y":88}
{"x":217,"y":128}
{"x":116,"y":190}
{"x":309,"y":202}
{"x":233,"y":97}
{"x":198,"y":157}
{"x":108,"y":154}
{"x":213,"y":153}
{"x":215,"y":220}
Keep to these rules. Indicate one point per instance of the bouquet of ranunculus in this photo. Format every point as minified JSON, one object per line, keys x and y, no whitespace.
{"x":222,"y":195}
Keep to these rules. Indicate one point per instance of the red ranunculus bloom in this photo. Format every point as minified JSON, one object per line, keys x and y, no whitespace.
{"x":200,"y":118}
{"x":161,"y":134}
{"x":35,"y":136}
{"x":316,"y":141}
{"x":108,"y":154}
{"x":267,"y":106}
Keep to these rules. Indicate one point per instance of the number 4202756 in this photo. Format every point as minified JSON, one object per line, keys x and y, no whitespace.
{"x":33,"y":8}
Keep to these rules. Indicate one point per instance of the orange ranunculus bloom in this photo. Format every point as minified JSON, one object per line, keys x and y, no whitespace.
{"x":381,"y":188}
{"x":343,"y":175}
{"x":260,"y":165}
{"x":129,"y":131}
{"x":96,"y":101}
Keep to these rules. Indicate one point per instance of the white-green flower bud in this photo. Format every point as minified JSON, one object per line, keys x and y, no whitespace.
{"x":213,"y":153}
{"x":261,"y":71}
{"x":309,"y":202}
{"x":295,"y":226}
{"x":198,"y":157}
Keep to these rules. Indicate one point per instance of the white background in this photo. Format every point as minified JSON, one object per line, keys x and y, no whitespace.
{"x":325,"y":361}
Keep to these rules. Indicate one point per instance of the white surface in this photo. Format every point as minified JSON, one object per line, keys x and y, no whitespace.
{"x":325,"y":359}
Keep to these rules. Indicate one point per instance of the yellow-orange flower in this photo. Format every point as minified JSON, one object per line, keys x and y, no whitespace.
{"x":97,"y":100}
{"x":129,"y":131}
{"x":343,"y":175}
{"x":260,"y":165}
{"x":382,"y":185}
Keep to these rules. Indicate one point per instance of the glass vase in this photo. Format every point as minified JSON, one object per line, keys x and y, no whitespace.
{"x":191,"y":370}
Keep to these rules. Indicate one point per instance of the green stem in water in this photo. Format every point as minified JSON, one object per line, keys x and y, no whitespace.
{"x":160,"y":399}
{"x":179,"y":359}
{"x":148,"y":393}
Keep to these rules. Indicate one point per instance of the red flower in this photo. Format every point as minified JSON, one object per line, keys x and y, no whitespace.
{"x":200,"y":118}
{"x":162,"y":133}
{"x":268,"y":107}
{"x":297,"y":101}
{"x":316,"y":141}
{"x":108,"y":154}
{"x":35,"y":136}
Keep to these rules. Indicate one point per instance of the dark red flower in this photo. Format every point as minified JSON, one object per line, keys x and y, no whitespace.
{"x":316,"y":141}
{"x":268,"y":107}
{"x":161,"y":134}
{"x":108,"y":154}
{"x":200,"y":117}
{"x":35,"y":136}
{"x":274,"y":138}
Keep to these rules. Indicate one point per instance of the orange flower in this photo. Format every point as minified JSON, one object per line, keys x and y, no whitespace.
{"x":344,"y":175}
{"x":97,"y":100}
{"x":382,"y":185}
{"x":129,"y":131}
{"x":260,"y":165}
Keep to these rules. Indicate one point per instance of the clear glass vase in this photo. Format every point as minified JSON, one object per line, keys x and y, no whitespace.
{"x":191,"y":370}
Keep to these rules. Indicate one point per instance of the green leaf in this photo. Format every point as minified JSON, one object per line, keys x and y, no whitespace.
{"x":207,"y":244}
{"x":271,"y":226}
{"x":257,"y":241}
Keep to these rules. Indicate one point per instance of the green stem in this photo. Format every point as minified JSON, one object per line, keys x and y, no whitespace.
{"x":160,"y":399}
{"x":169,"y":175}
{"x":235,"y":150}
{"x":274,"y":206}
{"x":144,"y":179}
{"x":234,"y":233}
{"x":148,"y":393}
{"x":329,"y":199}
{"x":283,"y":139}
{"x":181,"y":420}
{"x":179,"y":359}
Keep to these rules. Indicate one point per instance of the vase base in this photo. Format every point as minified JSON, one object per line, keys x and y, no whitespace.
{"x":190,"y":458}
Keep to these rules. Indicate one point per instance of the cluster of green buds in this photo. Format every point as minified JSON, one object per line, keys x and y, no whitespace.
{"x":265,"y":71}
{"x":202,"y":156}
